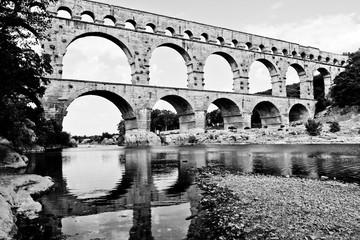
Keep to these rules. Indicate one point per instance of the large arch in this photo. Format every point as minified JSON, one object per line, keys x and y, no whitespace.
{"x":295,"y":80}
{"x":230,"y":112}
{"x":298,"y":113}
{"x":220,"y":71}
{"x":184,"y":111}
{"x":123,"y":105}
{"x":265,"y":114}
{"x":262,"y":81}
{"x":108,"y":37}
{"x":168,"y":66}
{"x":322,"y":84}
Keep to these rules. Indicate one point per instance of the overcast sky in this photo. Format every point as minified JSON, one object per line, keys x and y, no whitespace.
{"x":329,"y":25}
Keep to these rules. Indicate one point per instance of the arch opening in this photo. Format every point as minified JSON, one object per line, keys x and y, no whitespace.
{"x":96,"y":112}
{"x":230,"y":113}
{"x":219,"y":72}
{"x":64,"y":12}
{"x":321,"y":83}
{"x":298,"y":114}
{"x":294,"y":75}
{"x":204,"y":37}
{"x":220,"y":41}
{"x":188,"y":34}
{"x":265,"y":114}
{"x":260,"y":77}
{"x":179,"y":112}
{"x":130,"y":24}
{"x":150,"y":28}
{"x":88,"y":16}
{"x":109,"y":21}
{"x":86,"y":60}
{"x":166,"y":60}
{"x":169,"y":31}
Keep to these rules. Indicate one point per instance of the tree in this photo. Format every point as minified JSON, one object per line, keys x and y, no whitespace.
{"x":23,"y":24}
{"x":346,"y":88}
{"x":214,"y":117}
{"x":163,"y":120}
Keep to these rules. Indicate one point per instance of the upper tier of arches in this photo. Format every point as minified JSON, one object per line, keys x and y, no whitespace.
{"x":118,"y":17}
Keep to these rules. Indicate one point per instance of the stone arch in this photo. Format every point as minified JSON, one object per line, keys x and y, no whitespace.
{"x":169,"y":57}
{"x":130,"y":24}
{"x":301,"y":81}
{"x":66,"y":9}
{"x":322,"y":83}
{"x":298,"y":113}
{"x":184,"y":111}
{"x":169,"y":31}
{"x":265,"y":113}
{"x":88,"y":13}
{"x":273,"y":82}
{"x":230,"y":112}
{"x":108,"y":37}
{"x":109,"y":20}
{"x":179,"y":49}
{"x":234,"y":68}
{"x":127,"y":111}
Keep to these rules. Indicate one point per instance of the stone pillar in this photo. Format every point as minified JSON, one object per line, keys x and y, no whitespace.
{"x":327,"y":85}
{"x":306,"y":89}
{"x":187,"y":122}
{"x":140,"y":68}
{"x":285,"y":119}
{"x":246,"y":119}
{"x":143,"y":117}
{"x":200,"y":119}
{"x":241,"y":84}
{"x":278,"y":86}
{"x":234,"y":121}
{"x":195,"y":74}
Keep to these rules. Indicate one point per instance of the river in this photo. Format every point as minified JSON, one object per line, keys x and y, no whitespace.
{"x":110,"y":192}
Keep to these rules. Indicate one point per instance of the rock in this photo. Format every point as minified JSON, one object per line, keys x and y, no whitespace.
{"x":13,"y":160}
{"x":141,"y":138}
{"x":323,"y":178}
{"x":4,"y":142}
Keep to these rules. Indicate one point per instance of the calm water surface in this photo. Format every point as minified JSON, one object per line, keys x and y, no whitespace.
{"x":147,"y":193}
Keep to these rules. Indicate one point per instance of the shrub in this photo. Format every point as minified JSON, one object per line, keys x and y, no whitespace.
{"x":313,"y":127}
{"x":192,"y":139}
{"x":334,"y":127}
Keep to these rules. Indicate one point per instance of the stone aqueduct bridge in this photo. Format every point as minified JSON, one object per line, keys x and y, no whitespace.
{"x":195,"y":42}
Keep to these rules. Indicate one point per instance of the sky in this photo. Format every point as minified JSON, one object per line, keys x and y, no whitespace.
{"x":330,"y":25}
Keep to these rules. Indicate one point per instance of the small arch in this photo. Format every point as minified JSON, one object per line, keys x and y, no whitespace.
{"x":265,"y":114}
{"x":64,"y":12}
{"x":319,"y":58}
{"x":249,"y":45}
{"x":327,"y":59}
{"x":285,"y":52}
{"x":311,"y":56}
{"x":88,"y":16}
{"x":169,"y":31}
{"x":188,"y":34}
{"x":303,"y":55}
{"x":230,"y":112}
{"x":130,"y":24}
{"x":335,"y":61}
{"x":220,"y":41}
{"x":274,"y":50}
{"x":294,"y":54}
{"x":150,"y":28}
{"x":298,"y":112}
{"x":262,"y":47}
{"x":109,"y":20}
{"x":204,"y":37}
{"x":234,"y":43}
{"x":343,"y":63}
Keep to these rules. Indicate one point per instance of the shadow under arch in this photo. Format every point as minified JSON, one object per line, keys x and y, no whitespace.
{"x":124,"y":107}
{"x":106,"y":36}
{"x":298,"y":112}
{"x":184,"y":111}
{"x":265,"y":114}
{"x":230,"y":112}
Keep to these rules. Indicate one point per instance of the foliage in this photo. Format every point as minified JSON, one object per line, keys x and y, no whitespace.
{"x":22,"y":24}
{"x":214,"y":118}
{"x":313,"y":127}
{"x":192,"y":139}
{"x":319,"y":94}
{"x":346,"y":88}
{"x":293,"y":90}
{"x":163,"y":120}
{"x":334,"y":127}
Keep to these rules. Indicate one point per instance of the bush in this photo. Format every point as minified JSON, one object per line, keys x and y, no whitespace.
{"x":334,"y":127}
{"x":313,"y":127}
{"x":192,"y":139}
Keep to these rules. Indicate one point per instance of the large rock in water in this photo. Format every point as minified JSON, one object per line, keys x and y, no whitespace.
{"x":141,"y":138}
{"x":12,"y":159}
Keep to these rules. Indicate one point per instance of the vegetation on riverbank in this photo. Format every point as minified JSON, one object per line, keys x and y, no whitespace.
{"x":238,"y":206}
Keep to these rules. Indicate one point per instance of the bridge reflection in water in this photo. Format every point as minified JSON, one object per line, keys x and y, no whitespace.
{"x":147,"y":193}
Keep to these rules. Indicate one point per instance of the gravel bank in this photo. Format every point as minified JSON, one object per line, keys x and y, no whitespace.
{"x":238,"y":206}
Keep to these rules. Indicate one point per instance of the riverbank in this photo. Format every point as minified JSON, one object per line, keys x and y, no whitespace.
{"x":237,"y":206}
{"x":16,"y":190}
